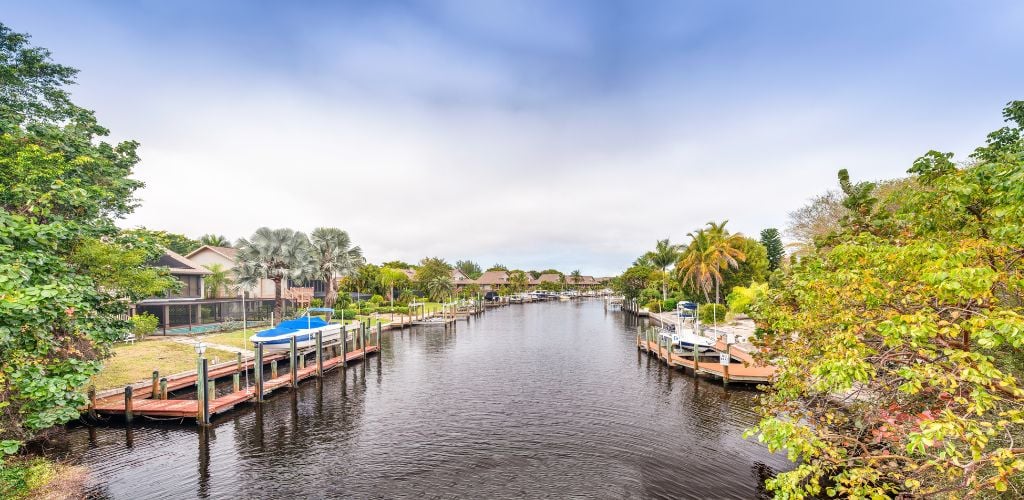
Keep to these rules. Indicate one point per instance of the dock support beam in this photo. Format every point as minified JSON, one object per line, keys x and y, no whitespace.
{"x":344,"y":347}
{"x":293,"y":365}
{"x":379,"y":330}
{"x":128,"y":413}
{"x":362,"y":341}
{"x":319,"y":353}
{"x":258,"y":371}
{"x":204,"y":403}
{"x":163,"y":387}
{"x":153,"y":387}
{"x":725,"y":366}
{"x":92,"y":402}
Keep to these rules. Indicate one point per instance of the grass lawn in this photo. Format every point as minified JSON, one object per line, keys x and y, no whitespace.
{"x":135,"y":362}
{"x":234,"y":338}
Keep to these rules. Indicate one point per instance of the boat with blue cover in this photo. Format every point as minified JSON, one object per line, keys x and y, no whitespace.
{"x":303,"y":329}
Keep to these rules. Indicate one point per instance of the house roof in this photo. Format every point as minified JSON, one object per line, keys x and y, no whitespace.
{"x":460,"y":277}
{"x":227,"y":252}
{"x":493,"y":278}
{"x":179,"y":264}
{"x":550,"y":278}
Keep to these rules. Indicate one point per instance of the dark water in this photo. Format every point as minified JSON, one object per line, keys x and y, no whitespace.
{"x":538,"y":400}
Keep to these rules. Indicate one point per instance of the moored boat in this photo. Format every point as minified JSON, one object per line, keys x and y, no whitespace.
{"x":303,"y":329}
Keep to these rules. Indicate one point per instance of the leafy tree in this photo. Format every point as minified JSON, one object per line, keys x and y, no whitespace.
{"x":753,"y":268}
{"x":431,"y":269}
{"x":772,"y":243}
{"x":469,"y":268}
{"x":497,"y":267}
{"x":214,"y":240}
{"x":397,"y":264}
{"x":274,"y":254}
{"x":518,"y":281}
{"x":177,"y":243}
{"x":534,"y":274}
{"x":390,"y":278}
{"x":665,"y":254}
{"x":331,"y":256}
{"x":633,"y":281}
{"x":66,"y":274}
{"x":218,"y":280}
{"x":439,"y":287}
{"x":899,"y":345}
{"x":366,"y":280}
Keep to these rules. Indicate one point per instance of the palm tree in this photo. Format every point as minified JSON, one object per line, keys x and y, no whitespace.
{"x":710,"y":252}
{"x":218,"y":279}
{"x":439,"y":287}
{"x":576,"y":277}
{"x":389,"y":277}
{"x":664,"y":255}
{"x":518,"y":281}
{"x":214,"y":240}
{"x":330,"y":257}
{"x":561,"y":281}
{"x":274,"y":254}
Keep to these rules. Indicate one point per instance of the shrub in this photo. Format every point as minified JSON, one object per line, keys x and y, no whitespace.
{"x":345,"y":314}
{"x":316,"y":302}
{"x":743,"y":296}
{"x":653,"y":305}
{"x":708,"y":312}
{"x":377,"y":299}
{"x":144,"y":324}
{"x":669,"y":305}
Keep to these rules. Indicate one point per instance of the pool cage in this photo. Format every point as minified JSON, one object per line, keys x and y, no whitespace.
{"x":208,"y":315}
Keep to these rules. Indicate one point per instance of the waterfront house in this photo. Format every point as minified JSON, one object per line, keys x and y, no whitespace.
{"x":491,"y":281}
{"x":207,"y":255}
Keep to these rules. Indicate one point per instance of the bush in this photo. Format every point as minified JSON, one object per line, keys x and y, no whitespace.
{"x":708,"y":312}
{"x":316,"y":302}
{"x":669,"y":305}
{"x":344,"y":314}
{"x":377,"y":299}
{"x":144,"y":324}
{"x":653,"y":305}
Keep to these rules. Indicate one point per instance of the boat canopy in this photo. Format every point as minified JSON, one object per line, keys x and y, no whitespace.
{"x":293,"y":325}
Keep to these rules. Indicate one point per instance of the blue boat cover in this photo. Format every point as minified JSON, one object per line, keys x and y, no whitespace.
{"x":292,"y":326}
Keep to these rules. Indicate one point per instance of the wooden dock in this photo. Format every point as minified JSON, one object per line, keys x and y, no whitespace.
{"x":741,"y":367}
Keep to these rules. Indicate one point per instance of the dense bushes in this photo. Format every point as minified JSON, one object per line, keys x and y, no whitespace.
{"x":669,"y":305}
{"x":708,"y":313}
{"x":144,"y":324}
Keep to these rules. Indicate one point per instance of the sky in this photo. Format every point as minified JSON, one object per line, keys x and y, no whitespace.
{"x":534,"y":134}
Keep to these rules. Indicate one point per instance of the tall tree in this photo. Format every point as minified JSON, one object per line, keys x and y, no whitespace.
{"x":178,"y":243}
{"x":389,"y":279}
{"x":214,"y":240}
{"x":665,"y":254}
{"x":498,"y":267}
{"x":274,"y":254}
{"x":711,"y":251}
{"x":469,"y":268}
{"x":518,"y":281}
{"x":66,"y":273}
{"x":430,"y":271}
{"x":219,"y":280}
{"x":330,"y":257}
{"x":576,"y":276}
{"x":899,"y":345}
{"x":439,"y":287}
{"x":773,"y":245}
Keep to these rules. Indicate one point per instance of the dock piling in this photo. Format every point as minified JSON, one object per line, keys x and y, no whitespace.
{"x":92,"y":402}
{"x":128,"y":404}
{"x":258,"y":371}
{"x":153,"y":387}
{"x":273,"y":368}
{"x":163,"y":388}
{"x":204,"y":403}
{"x":319,"y":353}
{"x":293,"y":367}
{"x":344,"y":347}
{"x":236,"y":380}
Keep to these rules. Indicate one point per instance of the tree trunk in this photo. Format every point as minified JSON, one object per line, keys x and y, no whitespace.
{"x":331,"y":297}
{"x":277,"y":299}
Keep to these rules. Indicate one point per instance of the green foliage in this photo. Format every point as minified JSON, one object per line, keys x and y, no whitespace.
{"x":752,"y":269}
{"x":177,"y":243}
{"x":214,"y":240}
{"x":899,"y":344}
{"x":774,"y":248}
{"x":19,"y":478}
{"x":144,"y":324}
{"x":397,"y":264}
{"x":742,"y":297}
{"x":344,"y":314}
{"x":66,"y":274}
{"x":518,"y":281}
{"x":712,"y":251}
{"x":330,"y":256}
{"x":377,"y":299}
{"x":633,"y":281}
{"x":669,"y":304}
{"x":316,"y":302}
{"x":711,"y":313}
{"x":434,"y":276}
{"x":497,"y":267}
{"x":274,"y":254}
{"x":218,"y":282}
{"x":469,"y":268}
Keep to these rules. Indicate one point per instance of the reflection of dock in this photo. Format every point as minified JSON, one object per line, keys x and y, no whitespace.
{"x":741,"y":366}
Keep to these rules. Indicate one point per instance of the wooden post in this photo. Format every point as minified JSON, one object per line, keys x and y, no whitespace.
{"x":204,"y":404}
{"x":92,"y":402}
{"x":696,"y":359}
{"x":237,"y":381}
{"x":670,"y":349}
{"x":725,"y":366}
{"x":128,"y":404}
{"x":163,"y":388}
{"x":211,"y":388}
{"x":273,"y":368}
{"x":379,"y":330}
{"x":258,"y":371}
{"x":319,"y":353}
{"x":362,"y":342}
{"x":344,"y":348}
{"x":239,"y":362}
{"x":293,"y":367}
{"x":153,"y":387}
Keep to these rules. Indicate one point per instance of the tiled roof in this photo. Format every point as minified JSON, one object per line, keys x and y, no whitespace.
{"x":179,"y":264}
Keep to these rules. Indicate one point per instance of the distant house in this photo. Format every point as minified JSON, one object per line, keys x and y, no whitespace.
{"x":225,"y":256}
{"x":460,"y":280}
{"x":189,"y":308}
{"x":490,"y":281}
{"x":549,"y":278}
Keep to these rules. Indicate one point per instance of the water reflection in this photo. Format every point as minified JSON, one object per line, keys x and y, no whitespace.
{"x":537,"y":400}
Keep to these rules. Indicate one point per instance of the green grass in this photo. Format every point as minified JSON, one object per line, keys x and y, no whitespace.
{"x":234,"y":338}
{"x":135,"y":362}
{"x":40,"y":478}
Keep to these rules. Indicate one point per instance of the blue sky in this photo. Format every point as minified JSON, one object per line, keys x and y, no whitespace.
{"x":536,"y":134}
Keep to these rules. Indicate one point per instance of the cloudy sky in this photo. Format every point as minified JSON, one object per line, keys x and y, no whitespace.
{"x":535,"y":134}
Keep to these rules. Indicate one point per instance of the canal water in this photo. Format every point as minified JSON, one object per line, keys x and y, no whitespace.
{"x":535,"y":400}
